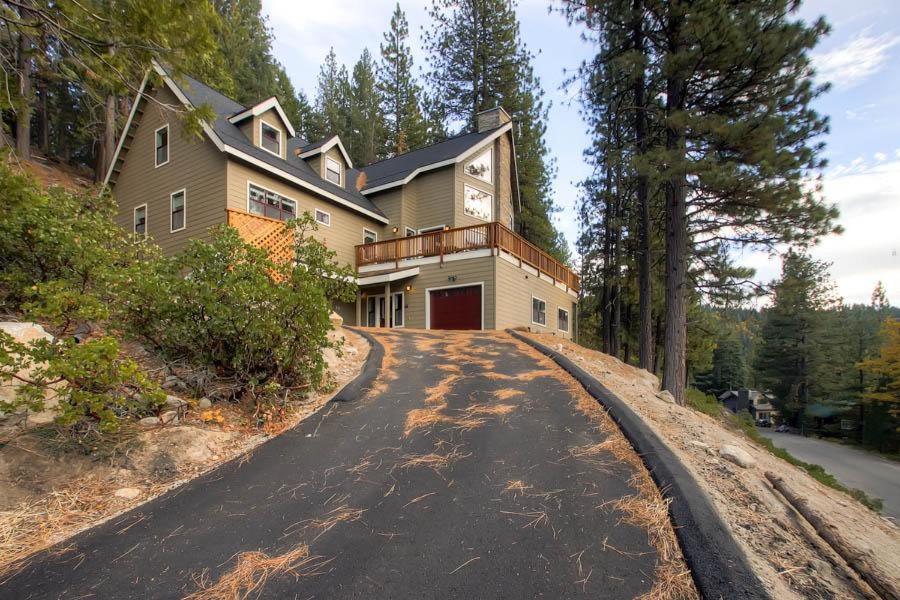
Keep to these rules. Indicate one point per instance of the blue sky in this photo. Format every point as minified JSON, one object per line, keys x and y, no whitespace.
{"x":860,"y":57}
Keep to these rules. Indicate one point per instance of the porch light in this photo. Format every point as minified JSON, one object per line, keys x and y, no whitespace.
{"x":396,"y":229}
{"x":408,"y":288}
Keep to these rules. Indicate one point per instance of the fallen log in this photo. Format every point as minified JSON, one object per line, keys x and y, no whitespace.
{"x":856,"y":559}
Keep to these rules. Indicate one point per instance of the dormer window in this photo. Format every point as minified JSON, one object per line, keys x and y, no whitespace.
{"x":269,"y":138}
{"x":481,"y":166}
{"x":333,"y":170}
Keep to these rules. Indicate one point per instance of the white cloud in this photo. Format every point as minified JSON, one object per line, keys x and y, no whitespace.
{"x":868,"y":198}
{"x":855,"y":61}
{"x":880,"y":157}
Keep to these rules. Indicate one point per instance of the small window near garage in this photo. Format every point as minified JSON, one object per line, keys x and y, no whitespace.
{"x":481,"y":166}
{"x":269,"y":138}
{"x":478,"y":203}
{"x":323,"y":218}
{"x":397,"y":303}
{"x":369,"y":236}
{"x":264,"y":202}
{"x":162,"y":145}
{"x":562,"y":319}
{"x":332,"y":170}
{"x":538,"y":311}
{"x":140,"y":220}
{"x":177,"y":211}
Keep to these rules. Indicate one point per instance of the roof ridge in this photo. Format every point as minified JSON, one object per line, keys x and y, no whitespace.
{"x":449,"y":139}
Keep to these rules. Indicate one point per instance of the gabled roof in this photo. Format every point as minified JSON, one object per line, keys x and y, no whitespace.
{"x":229,"y":139}
{"x":260,"y":108}
{"x":323,"y":146}
{"x":401,"y":169}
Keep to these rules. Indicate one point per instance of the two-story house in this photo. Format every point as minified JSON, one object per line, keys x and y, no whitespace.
{"x":430,"y":232}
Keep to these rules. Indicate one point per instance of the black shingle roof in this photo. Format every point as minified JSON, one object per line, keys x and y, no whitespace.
{"x":198,"y":94}
{"x":399,"y":167}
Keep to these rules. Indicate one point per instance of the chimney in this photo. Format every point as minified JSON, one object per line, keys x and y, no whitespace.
{"x":492,"y":118}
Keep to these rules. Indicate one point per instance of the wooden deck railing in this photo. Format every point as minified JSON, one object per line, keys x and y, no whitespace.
{"x":461,"y":239}
{"x":264,"y":232}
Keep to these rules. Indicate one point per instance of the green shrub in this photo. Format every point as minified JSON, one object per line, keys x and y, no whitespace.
{"x":223,"y":304}
{"x":60,"y":259}
{"x":704,"y":403}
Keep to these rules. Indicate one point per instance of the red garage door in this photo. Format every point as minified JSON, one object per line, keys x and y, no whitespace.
{"x":456,"y":308}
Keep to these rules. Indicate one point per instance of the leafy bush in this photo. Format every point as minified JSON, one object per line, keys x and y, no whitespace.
{"x":704,"y":403}
{"x":60,"y":259}
{"x":223,"y":303}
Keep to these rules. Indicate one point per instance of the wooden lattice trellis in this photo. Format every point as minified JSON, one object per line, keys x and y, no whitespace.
{"x":270,"y":234}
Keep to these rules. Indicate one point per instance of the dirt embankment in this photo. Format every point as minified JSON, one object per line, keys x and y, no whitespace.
{"x":790,"y":558}
{"x":46,"y":497}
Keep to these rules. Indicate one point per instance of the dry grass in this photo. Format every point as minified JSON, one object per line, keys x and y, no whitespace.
{"x":437,"y":394}
{"x":434,"y":460}
{"x":253,"y":570}
{"x":507,"y":393}
{"x":488,"y":410}
{"x":324,"y":524}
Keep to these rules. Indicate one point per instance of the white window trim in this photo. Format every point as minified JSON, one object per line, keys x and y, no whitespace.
{"x":264,"y":188}
{"x":476,"y":188}
{"x":316,"y":212}
{"x":340,"y":170}
{"x":489,"y":150}
{"x":146,"y":219}
{"x":182,"y":191}
{"x":408,"y":229}
{"x":168,"y":146}
{"x":533,"y":322}
{"x":367,"y":230}
{"x":402,"y":309}
{"x":280,"y":140}
{"x":447,"y":287}
{"x":559,"y":310}
{"x":432,"y":229}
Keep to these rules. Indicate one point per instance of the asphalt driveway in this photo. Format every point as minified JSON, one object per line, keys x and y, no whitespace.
{"x":460,"y":475}
{"x":876,"y":476}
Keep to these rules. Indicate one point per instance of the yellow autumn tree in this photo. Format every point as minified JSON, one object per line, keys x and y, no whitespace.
{"x":886,"y":367}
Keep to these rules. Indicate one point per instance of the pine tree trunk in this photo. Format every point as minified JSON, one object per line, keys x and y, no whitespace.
{"x":645,"y":318}
{"x":108,"y":144}
{"x":674,"y":379}
{"x":23,"y":111}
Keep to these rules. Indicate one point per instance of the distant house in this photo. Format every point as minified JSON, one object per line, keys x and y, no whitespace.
{"x":757,"y":403}
{"x":430,"y":233}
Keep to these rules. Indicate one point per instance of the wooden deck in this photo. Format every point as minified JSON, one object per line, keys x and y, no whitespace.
{"x":462,"y":239}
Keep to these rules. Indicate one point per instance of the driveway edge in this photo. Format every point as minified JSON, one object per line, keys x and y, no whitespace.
{"x":719,"y":567}
{"x":355,"y":388}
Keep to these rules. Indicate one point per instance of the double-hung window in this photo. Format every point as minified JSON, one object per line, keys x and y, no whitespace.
{"x":333,"y":170}
{"x":140,"y":220}
{"x":538,"y":311}
{"x":562,"y":319}
{"x":177,"y":211}
{"x":161,"y":137}
{"x":269,"y":138}
{"x":263,"y":202}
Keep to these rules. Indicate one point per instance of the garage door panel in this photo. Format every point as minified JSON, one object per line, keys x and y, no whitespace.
{"x":456,"y":308}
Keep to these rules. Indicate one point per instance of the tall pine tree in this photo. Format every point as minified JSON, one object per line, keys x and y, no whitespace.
{"x":478,"y":61}
{"x":366,"y":121}
{"x":333,"y":97}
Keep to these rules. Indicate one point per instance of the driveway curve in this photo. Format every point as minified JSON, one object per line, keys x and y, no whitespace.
{"x":469,"y":470}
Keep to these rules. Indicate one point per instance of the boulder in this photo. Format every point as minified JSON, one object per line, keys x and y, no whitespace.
{"x":170,"y":417}
{"x":25,"y":333}
{"x":171,"y":382}
{"x":175,"y":402}
{"x":336,"y":320}
{"x":204,"y":403}
{"x":127,"y":493}
{"x":351,"y":350}
{"x":666,"y":396}
{"x":149,"y":421}
{"x":738,"y":456}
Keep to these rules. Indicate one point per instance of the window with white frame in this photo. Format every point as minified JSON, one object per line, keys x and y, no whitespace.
{"x":538,"y":311}
{"x":410,"y":232}
{"x":478,"y":203}
{"x":562,"y":319}
{"x":162,"y":145}
{"x":323,"y":218}
{"x":397,"y":304}
{"x":267,"y":203}
{"x":482,"y":166}
{"x":269,"y":138}
{"x":333,"y":170}
{"x":177,"y":220}
{"x":140,"y":220}
{"x":369,"y":236}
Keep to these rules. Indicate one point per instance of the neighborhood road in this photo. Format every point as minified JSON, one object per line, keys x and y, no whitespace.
{"x":467,"y":472}
{"x":876,"y":476}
